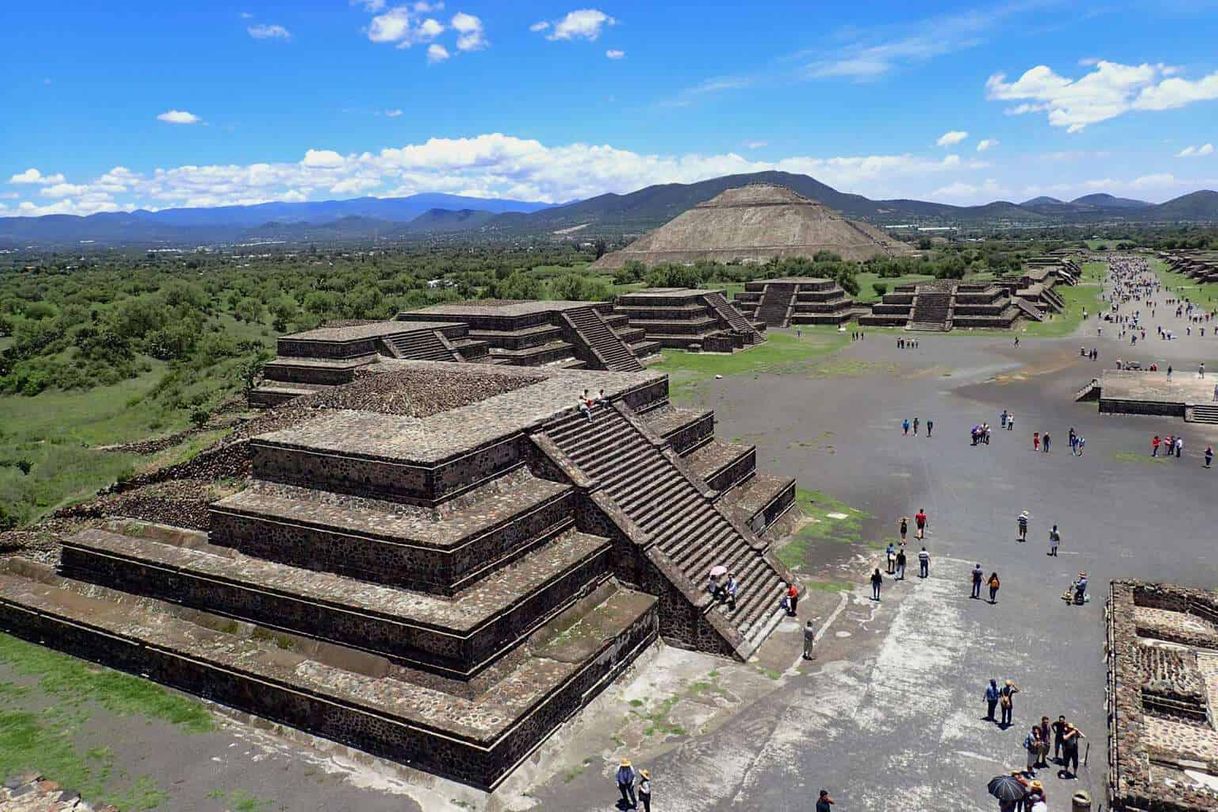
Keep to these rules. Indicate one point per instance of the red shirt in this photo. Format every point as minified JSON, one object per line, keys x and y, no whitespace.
{"x":792,"y":591}
{"x":920,"y":518}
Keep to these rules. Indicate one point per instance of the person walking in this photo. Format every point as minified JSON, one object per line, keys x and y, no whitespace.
{"x":920,"y":521}
{"x":905,"y":426}
{"x":1045,"y":730}
{"x":1022,"y":523}
{"x":993,"y":583}
{"x":1002,"y":419}
{"x":901,"y":564}
{"x":1046,"y":442}
{"x":1036,"y":441}
{"x":923,"y":564}
{"x":1179,"y":446}
{"x":1010,"y":421}
{"x":809,"y":639}
{"x":992,"y":696}
{"x":625,"y":785}
{"x":876,"y":581}
{"x":890,"y":557}
{"x":1006,"y":701}
{"x":645,"y":789}
{"x":1154,"y":445}
{"x":1055,"y":538}
{"x":978,"y":577}
{"x":915,"y":426}
{"x":1209,"y":455}
{"x":904,"y":528}
{"x":930,"y":428}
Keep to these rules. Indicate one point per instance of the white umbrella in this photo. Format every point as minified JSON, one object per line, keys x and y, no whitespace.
{"x":718,"y":570}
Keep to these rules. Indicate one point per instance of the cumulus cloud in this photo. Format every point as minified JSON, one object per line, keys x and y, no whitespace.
{"x":986,"y":144}
{"x":178,"y":117}
{"x":584,"y":23}
{"x":32,"y":175}
{"x":470,"y":34}
{"x":614,"y":53}
{"x":1196,"y":152}
{"x":436,"y":53}
{"x":951,"y":138}
{"x":394,"y":113}
{"x":324,"y":158}
{"x":263,"y":31}
{"x":1109,"y":90}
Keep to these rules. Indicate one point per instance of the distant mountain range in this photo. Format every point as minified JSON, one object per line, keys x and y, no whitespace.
{"x":453,"y":216}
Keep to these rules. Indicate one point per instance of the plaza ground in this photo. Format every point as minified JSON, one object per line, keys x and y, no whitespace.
{"x":888,"y":715}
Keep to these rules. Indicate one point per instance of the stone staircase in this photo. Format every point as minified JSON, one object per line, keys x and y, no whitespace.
{"x":1202,"y":413}
{"x":734,"y":318}
{"x":931,"y":310}
{"x":1028,"y":308}
{"x":589,"y":327}
{"x":775,"y":307}
{"x":419,"y":345}
{"x":677,"y":516}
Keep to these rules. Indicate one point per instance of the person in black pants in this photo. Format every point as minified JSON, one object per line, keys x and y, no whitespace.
{"x":991,"y":700}
{"x":1070,"y":751}
{"x":978,"y":575}
{"x":1059,"y":730}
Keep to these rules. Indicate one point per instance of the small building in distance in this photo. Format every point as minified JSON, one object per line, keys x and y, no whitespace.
{"x":796,"y":300}
{"x":756,"y":223}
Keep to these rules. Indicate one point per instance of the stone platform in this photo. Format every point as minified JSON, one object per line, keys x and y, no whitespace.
{"x":437,"y":563}
{"x":1141,"y":392}
{"x":689,"y":319}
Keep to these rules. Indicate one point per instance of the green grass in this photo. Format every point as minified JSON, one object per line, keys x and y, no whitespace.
{"x":41,"y":722}
{"x":1135,"y":457}
{"x":867,"y":292}
{"x":1083,"y":295}
{"x":782,"y":352}
{"x":1179,"y":283}
{"x":821,"y":527}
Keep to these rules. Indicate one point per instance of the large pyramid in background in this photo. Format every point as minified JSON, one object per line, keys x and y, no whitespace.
{"x":755,"y":223}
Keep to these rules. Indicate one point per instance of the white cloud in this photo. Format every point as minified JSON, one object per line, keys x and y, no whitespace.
{"x":1109,"y":90}
{"x":436,"y":53}
{"x":584,"y":23}
{"x":430,"y":28}
{"x":540,"y":25}
{"x":951,"y":138}
{"x":394,"y":113}
{"x":322,"y":158}
{"x":392,"y":26}
{"x":263,"y":31}
{"x":614,"y":53}
{"x":469,"y":27}
{"x":32,"y":175}
{"x":755,"y":144}
{"x":1196,"y":152}
{"x":987,"y":144}
{"x":370,"y":6}
{"x":63,"y":190}
{"x":178,"y":117}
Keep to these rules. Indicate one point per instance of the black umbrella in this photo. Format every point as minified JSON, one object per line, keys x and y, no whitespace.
{"x":1007,"y":788}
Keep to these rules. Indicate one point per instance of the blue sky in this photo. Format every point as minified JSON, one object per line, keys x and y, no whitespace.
{"x":132,"y":104}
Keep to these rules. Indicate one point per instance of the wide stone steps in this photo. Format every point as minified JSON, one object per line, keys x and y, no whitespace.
{"x":476,"y":736}
{"x":931,"y":310}
{"x":733,"y":317}
{"x":1203,"y":413}
{"x":455,"y":636}
{"x":590,"y":327}
{"x":775,"y":305}
{"x":391,"y":543}
{"x":665,"y":504}
{"x":419,"y":345}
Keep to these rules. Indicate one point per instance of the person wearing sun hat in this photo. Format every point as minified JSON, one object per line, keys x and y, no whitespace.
{"x":645,"y":789}
{"x":625,"y":784}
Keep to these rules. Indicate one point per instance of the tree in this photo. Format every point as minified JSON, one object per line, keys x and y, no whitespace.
{"x":880,"y":288}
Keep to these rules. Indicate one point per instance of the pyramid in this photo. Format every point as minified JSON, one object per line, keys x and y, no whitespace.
{"x":756,"y":223}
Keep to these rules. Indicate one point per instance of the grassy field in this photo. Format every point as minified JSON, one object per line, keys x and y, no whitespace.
{"x":829,"y":521}
{"x":1080,"y":296}
{"x":866,"y":280}
{"x":1196,"y":292}
{"x":49,"y":698}
{"x":781,"y":352}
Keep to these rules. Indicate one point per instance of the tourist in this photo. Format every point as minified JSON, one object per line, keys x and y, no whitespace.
{"x":978,"y":577}
{"x":876,"y":581}
{"x":1201,"y":370}
{"x":1169,"y":372}
{"x":1209,"y":455}
{"x":1016,"y":341}
{"x":809,"y":639}
{"x":1006,"y":701}
{"x":905,"y":427}
{"x":823,"y":801}
{"x":1081,"y":444}
{"x":792,"y":599}
{"x":1022,"y":523}
{"x":1070,"y":738}
{"x":1002,"y":419}
{"x":1059,"y":732}
{"x":1045,"y":444}
{"x":1080,"y":589}
{"x":584,"y":408}
{"x":991,"y":700}
{"x":1035,"y":800}
{"x":625,"y":784}
{"x":930,"y":428}
{"x":1179,"y":446}
{"x":1031,"y":745}
{"x":1055,"y":538}
{"x":1010,"y":422}
{"x":901,"y":564}
{"x":645,"y":789}
{"x":730,"y":590}
{"x":1154,"y":446}
{"x":1036,"y":441}
{"x":993,"y":583}
{"x":920,"y":521}
{"x":1045,"y":729}
{"x":915,"y":426}
{"x":891,"y":555}
{"x":923,"y":564}
{"x":904,"y":528}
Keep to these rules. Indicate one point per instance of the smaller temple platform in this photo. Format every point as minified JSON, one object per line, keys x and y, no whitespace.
{"x":1185,"y":394}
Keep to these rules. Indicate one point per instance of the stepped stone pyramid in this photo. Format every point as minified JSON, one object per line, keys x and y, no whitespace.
{"x":569,"y":335}
{"x":942,"y":304}
{"x":440,"y":575}
{"x":796,"y":300}
{"x":756,"y":223}
{"x":689,"y":319}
